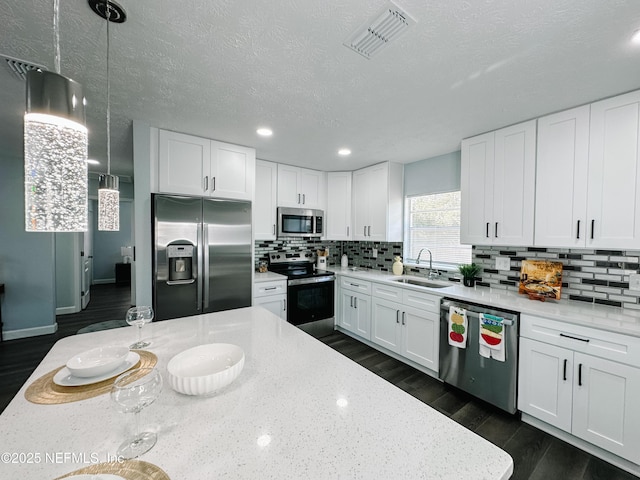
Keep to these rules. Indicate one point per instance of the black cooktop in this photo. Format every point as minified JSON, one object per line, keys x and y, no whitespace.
{"x":295,"y":264}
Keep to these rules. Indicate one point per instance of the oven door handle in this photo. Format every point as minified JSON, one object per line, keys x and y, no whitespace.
{"x":307,"y":281}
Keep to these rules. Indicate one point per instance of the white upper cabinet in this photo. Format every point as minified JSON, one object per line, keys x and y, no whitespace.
{"x":377,"y":203}
{"x":300,"y":187}
{"x":561,"y":179}
{"x":338,"y":215}
{"x":264,"y":207}
{"x":497,"y":186}
{"x":613,"y":208}
{"x":198,"y":166}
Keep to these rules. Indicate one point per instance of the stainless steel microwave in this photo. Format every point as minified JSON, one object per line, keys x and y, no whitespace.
{"x":300,"y":222}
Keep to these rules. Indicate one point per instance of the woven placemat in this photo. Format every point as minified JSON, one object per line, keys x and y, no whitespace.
{"x":128,"y":469}
{"x":44,"y":392}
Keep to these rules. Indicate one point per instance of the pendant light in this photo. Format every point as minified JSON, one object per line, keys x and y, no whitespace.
{"x":108,"y":193}
{"x":55,"y":149}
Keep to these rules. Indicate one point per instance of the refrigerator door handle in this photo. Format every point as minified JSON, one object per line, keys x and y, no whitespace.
{"x":206,"y":266}
{"x":200,"y":263}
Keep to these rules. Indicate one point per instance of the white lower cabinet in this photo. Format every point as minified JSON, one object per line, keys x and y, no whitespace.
{"x":354,"y":307}
{"x":401,"y":323}
{"x":272,"y":295}
{"x":586,"y":395}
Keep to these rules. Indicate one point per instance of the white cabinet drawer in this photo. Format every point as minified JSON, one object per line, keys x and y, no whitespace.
{"x":603,"y":344}
{"x":355,"y":285}
{"x":380,"y":290}
{"x":423,"y":301}
{"x":276,"y":287}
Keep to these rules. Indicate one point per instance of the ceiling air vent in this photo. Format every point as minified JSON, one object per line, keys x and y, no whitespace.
{"x":389,"y":24}
{"x":19,"y":67}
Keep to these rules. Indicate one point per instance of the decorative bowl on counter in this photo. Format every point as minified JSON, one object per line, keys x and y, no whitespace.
{"x":97,"y":361}
{"x":206,"y":368}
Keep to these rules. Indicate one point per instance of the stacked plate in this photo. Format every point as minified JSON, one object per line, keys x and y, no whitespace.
{"x":96,"y":365}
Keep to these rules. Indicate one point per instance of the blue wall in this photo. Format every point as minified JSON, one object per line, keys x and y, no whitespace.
{"x":434,"y":175}
{"x":26,"y":259}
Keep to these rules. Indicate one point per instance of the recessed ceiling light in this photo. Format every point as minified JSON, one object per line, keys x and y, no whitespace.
{"x":91,"y":161}
{"x":344,"y":152}
{"x":635,"y":38}
{"x":264,"y":132}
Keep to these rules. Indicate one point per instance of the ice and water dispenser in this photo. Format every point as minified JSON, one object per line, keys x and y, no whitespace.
{"x":180,"y":259}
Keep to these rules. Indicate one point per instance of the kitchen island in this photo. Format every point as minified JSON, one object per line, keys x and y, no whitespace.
{"x":298,"y":410}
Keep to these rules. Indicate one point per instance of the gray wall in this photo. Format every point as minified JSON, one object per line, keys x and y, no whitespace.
{"x":106,"y":245}
{"x":434,"y":175}
{"x":26,"y":260}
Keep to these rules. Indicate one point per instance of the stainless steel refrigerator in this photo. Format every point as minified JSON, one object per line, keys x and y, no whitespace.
{"x":202,"y":255}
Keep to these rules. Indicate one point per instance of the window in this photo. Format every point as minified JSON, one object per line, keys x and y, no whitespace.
{"x":433,"y":221}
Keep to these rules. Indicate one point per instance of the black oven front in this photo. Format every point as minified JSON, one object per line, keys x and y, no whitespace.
{"x":310,"y":299}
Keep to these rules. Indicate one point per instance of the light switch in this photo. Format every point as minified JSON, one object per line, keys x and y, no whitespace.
{"x":634,"y":281}
{"x":503,"y":263}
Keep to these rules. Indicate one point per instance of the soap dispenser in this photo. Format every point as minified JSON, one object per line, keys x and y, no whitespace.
{"x":398,"y":268}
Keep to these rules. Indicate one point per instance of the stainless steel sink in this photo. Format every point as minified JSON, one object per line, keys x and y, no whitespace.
{"x":421,"y":283}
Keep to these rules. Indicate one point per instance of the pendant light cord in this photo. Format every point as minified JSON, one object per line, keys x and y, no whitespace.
{"x":56,"y":35}
{"x":108,"y":14}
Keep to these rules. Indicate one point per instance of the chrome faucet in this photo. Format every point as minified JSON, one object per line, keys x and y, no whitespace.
{"x":432,"y":274}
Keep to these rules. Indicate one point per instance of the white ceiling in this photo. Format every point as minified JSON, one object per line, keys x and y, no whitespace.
{"x":220,"y":69}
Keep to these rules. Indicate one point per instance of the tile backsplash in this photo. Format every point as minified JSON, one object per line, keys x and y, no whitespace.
{"x":593,"y":276}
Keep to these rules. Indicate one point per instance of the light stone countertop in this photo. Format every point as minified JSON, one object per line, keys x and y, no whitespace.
{"x":267,"y":277}
{"x":602,"y":317}
{"x":298,"y":410}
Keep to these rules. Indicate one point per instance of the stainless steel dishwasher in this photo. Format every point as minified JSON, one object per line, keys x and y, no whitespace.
{"x":489,"y":379}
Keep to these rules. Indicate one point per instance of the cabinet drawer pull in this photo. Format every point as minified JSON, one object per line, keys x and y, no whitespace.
{"x":574,"y":338}
{"x":354,"y":284}
{"x":593,"y":224}
{"x":270,"y":288}
{"x":580,"y":375}
{"x":578,"y":231}
{"x":564,"y":370}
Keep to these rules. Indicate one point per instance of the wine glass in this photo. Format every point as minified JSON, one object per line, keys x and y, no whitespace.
{"x":139,"y":316}
{"x":132,"y":391}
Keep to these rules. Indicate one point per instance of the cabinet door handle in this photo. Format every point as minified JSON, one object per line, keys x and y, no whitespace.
{"x":347,"y":230}
{"x":397,"y":316}
{"x":564,"y":370}
{"x":496,"y":230}
{"x":593,"y":224}
{"x":487,"y":232}
{"x":284,"y":302}
{"x":403,"y":317}
{"x":351,"y":301}
{"x":574,"y":338}
{"x":298,"y":199}
{"x":213,"y":189}
{"x":274,"y":228}
{"x":365,"y":231}
{"x":303,"y":199}
{"x":369,"y":230}
{"x":355,"y":302}
{"x":578,"y":231}
{"x":206,"y":183}
{"x":580,"y":375}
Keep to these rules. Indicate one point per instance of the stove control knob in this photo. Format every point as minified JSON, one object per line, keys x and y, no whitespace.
{"x":278,"y":256}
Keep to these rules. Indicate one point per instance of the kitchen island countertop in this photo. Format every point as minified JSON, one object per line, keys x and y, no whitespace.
{"x":298,"y":410}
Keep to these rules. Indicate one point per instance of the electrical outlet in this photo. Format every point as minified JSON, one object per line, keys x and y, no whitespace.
{"x":634,"y":281}
{"x":374,"y":253}
{"x":503,"y":263}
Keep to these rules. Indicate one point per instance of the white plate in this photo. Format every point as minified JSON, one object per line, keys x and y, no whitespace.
{"x":65,"y":379}
{"x":96,"y":476}
{"x":97,"y":361}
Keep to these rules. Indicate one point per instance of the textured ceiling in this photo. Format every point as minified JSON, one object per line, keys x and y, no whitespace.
{"x":220,"y":69}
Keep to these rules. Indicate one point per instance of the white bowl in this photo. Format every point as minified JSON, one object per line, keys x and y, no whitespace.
{"x":97,"y":361}
{"x":205,"y":368}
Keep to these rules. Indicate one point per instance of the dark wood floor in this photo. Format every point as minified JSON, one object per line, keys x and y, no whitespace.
{"x":19,"y":358}
{"x":536,"y":455}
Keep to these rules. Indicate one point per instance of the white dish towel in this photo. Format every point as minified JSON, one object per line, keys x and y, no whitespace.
{"x":457,"y":327}
{"x":491,"y":337}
